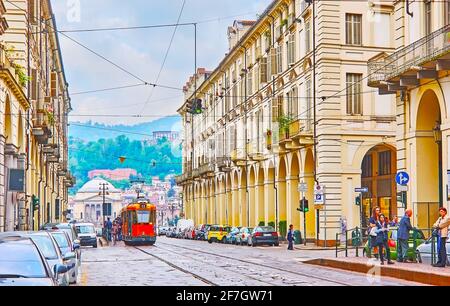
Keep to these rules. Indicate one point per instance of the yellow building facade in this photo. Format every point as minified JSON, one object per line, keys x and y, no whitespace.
{"x":34,"y":104}
{"x":417,"y":75}
{"x":288,"y":105}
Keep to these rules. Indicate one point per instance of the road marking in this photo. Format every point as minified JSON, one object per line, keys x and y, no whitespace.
{"x":84,"y":278}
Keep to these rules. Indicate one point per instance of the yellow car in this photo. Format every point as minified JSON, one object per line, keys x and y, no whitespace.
{"x":218,"y":233}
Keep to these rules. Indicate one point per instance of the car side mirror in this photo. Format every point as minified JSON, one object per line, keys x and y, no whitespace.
{"x":60,"y":269}
{"x":69,"y":256}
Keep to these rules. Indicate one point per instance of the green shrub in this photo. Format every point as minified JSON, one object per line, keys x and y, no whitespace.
{"x":262,"y":223}
{"x":271,"y":223}
{"x":283,"y":228}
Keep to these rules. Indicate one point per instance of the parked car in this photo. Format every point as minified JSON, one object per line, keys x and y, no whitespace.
{"x":190,"y":233}
{"x":242,"y":236}
{"x":66,"y":247}
{"x":23,"y":264}
{"x":49,"y":248}
{"x":416,"y":238}
{"x":217,"y":233}
{"x":231,"y":236}
{"x":162,"y":230}
{"x":263,"y":235}
{"x":424,"y":251}
{"x":70,"y":230}
{"x":205,"y":231}
{"x":86,"y":234}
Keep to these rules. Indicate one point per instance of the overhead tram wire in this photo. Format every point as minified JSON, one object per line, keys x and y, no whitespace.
{"x":165,"y":57}
{"x":98,"y":54}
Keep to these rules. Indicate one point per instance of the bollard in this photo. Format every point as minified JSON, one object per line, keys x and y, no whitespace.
{"x":346,"y":243}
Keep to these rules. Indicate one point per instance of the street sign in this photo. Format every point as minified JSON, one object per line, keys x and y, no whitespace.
{"x":302,"y":187}
{"x":401,"y":188}
{"x":318,"y":207}
{"x":402,"y":178}
{"x":319,"y":199}
{"x":362,"y":189}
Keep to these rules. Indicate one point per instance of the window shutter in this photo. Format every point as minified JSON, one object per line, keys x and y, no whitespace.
{"x":54,"y":84}
{"x":32,"y":12}
{"x":274,"y":110}
{"x":34,"y":84}
{"x":263,"y":70}
{"x":273,"y":61}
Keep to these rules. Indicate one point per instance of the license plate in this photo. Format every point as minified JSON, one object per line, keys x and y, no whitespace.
{"x":267,"y":235}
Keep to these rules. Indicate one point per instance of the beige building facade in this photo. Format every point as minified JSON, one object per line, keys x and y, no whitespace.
{"x":34,"y":104}
{"x":289,"y":105}
{"x":417,"y":75}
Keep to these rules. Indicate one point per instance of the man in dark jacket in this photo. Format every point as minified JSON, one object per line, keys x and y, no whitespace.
{"x":403,"y":236}
{"x":290,"y":237}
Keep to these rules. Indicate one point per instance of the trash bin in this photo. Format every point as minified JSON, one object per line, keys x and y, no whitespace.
{"x":297,"y":237}
{"x":356,"y":237}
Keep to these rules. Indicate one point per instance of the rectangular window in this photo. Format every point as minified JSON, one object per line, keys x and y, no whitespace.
{"x":250,"y":82}
{"x":273,"y":62}
{"x":274,"y":108}
{"x":234,"y":94}
{"x":367,"y":166}
{"x":291,"y":49}
{"x":384,"y":163}
{"x":281,"y":111}
{"x":353,"y":29}
{"x":354,"y":96}
{"x":447,"y":12}
{"x":293,"y":102}
{"x":263,"y":70}
{"x":308,"y":36}
{"x":280,"y":58}
{"x":32,"y":12}
{"x":242,"y":90}
{"x":308,"y":105}
{"x":428,"y":14}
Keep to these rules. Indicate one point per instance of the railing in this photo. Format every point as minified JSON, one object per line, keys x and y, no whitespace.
{"x":424,"y":50}
{"x":303,"y":6}
{"x":356,"y":240}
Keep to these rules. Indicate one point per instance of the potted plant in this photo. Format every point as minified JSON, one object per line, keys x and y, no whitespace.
{"x":284,"y":22}
{"x":284,"y":123}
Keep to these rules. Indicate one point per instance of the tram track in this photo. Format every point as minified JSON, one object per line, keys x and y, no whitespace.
{"x":204,"y":280}
{"x":256,"y":264}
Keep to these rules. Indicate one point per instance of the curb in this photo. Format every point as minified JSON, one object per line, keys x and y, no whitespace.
{"x":103,"y":242}
{"x":429,"y":278}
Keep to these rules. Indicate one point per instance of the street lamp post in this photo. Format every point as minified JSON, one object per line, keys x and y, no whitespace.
{"x":438,"y":139}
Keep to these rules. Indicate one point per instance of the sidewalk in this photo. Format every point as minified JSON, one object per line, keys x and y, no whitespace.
{"x":421,"y":273}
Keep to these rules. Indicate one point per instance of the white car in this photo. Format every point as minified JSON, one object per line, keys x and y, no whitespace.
{"x":86,"y":234}
{"x":68,"y":249}
{"x":424,"y":252}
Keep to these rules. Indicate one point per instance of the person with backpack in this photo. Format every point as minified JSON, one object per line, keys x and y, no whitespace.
{"x":381,"y":240}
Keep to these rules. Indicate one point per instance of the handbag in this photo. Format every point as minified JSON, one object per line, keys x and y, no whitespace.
{"x":373,"y":232}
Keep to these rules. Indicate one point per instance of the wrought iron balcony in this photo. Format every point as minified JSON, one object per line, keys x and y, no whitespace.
{"x":423,"y":59}
{"x":207,"y":169}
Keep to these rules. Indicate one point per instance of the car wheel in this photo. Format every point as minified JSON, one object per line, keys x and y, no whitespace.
{"x":277,"y":244}
{"x":209,"y":241}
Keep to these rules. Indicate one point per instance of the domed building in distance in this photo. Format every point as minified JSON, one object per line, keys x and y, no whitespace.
{"x":88,"y":202}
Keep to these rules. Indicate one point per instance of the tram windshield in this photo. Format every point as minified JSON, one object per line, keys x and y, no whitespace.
{"x":143,"y":216}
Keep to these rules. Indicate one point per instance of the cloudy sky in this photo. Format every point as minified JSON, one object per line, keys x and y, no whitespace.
{"x":141,"y":52}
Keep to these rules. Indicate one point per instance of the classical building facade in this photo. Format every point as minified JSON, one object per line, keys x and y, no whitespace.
{"x":289,"y":104}
{"x":34,"y":104}
{"x":417,"y":75}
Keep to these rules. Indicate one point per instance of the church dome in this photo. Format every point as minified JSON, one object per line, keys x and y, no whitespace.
{"x":94,"y":185}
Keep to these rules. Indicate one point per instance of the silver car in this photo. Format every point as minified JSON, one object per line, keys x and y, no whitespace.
{"x":68,"y":249}
{"x":423,"y":252}
{"x":23,"y":264}
{"x":49,"y":248}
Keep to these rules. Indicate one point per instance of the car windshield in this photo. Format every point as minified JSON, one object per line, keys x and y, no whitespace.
{"x":85,"y":229}
{"x":143,"y":216}
{"x":20,"y":260}
{"x":267,"y":229}
{"x":61,"y":240}
{"x":69,"y":232}
{"x":45,"y":244}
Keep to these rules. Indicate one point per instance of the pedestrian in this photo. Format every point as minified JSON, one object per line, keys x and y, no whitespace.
{"x":441,"y":226}
{"x":290,"y":237}
{"x":394,"y":222}
{"x":382,"y":239}
{"x":108,"y":229}
{"x":115,"y":231}
{"x":372,"y":229}
{"x":403,"y":236}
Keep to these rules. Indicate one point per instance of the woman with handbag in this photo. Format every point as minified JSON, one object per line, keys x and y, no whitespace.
{"x":372,"y":229}
{"x":382,"y":239}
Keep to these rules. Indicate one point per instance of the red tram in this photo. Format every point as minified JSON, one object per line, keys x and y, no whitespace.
{"x":139,"y":223}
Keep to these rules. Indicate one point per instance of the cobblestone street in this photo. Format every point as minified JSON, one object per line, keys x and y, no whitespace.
{"x":173,"y":262}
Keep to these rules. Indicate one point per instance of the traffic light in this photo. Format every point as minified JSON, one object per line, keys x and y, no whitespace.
{"x":195,"y":107}
{"x":304,"y":206}
{"x":358,"y":201}
{"x":35,"y":202}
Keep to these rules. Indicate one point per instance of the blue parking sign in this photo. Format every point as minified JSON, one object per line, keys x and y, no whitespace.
{"x":402,"y":178}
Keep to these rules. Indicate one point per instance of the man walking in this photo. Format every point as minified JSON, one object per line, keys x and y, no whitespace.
{"x":403,"y":236}
{"x":108,"y":229}
{"x":290,"y":237}
{"x":441,"y":226}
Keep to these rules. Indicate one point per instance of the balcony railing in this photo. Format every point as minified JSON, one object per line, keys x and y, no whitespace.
{"x":303,"y":6}
{"x":429,"y":48}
